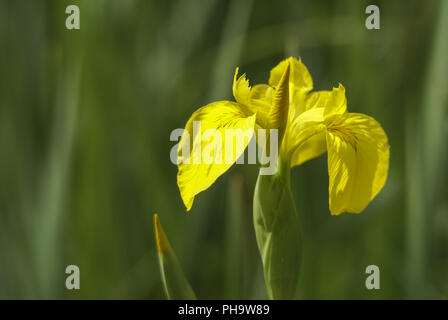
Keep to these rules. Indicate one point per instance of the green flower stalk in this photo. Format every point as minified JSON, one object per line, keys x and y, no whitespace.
{"x":307,"y":124}
{"x":277,"y":230}
{"x":276,"y":222}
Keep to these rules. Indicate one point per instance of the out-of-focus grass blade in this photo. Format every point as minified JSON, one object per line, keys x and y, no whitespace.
{"x":234,"y":245}
{"x":426,"y":151}
{"x":176,"y":285}
{"x":233,"y":39}
{"x":434,"y":107}
{"x":55,"y":180}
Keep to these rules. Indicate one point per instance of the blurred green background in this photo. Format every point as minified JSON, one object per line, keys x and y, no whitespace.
{"x":85,"y":121}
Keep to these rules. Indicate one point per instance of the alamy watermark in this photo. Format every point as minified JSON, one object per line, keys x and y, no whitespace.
{"x":373,"y":20}
{"x":72,"y":282}
{"x":373,"y":280}
{"x":211,"y":146}
{"x":73,"y":20}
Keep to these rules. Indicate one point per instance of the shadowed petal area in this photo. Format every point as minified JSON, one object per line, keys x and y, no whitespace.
{"x":310,"y":149}
{"x":358,"y":161}
{"x":318,"y":106}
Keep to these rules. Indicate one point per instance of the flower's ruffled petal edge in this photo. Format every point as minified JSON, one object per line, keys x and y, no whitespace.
{"x":241,"y":89}
{"x":257,"y":99}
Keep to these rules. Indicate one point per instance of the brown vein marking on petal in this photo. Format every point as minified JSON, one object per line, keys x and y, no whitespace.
{"x":346,"y":135}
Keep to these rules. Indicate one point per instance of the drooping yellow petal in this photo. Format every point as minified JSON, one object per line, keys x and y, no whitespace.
{"x":358,"y":161}
{"x":207,"y":149}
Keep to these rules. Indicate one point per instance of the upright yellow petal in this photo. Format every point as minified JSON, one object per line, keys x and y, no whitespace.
{"x":257,"y":99}
{"x":260,"y":101}
{"x":202,"y":150}
{"x":278,"y":115}
{"x":358,"y":161}
{"x":241,"y":88}
{"x":334,"y":102}
{"x":300,"y":78}
{"x":300,"y":83}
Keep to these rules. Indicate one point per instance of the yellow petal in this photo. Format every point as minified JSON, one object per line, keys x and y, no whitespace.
{"x":263,"y":92}
{"x":203,"y":156}
{"x":358,"y":161}
{"x":256,"y":100}
{"x":241,"y":88}
{"x":300,"y":79}
{"x":334,"y":102}
{"x":304,"y":127}
{"x":318,"y":106}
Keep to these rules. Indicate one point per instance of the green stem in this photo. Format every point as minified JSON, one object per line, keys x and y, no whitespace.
{"x":277,"y":230}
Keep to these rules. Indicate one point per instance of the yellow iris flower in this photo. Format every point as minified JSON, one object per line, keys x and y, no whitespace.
{"x":309,"y":123}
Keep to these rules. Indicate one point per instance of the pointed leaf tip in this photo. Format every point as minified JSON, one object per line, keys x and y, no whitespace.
{"x":175,"y":284}
{"x":161,"y":240}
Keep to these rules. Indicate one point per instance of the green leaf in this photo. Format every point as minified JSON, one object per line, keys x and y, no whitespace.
{"x":278,"y":233}
{"x":176,"y":285}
